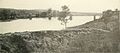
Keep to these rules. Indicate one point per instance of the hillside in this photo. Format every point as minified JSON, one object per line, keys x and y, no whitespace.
{"x":66,"y":41}
{"x":106,"y":22}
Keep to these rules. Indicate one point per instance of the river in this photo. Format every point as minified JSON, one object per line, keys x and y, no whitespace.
{"x":38,"y":24}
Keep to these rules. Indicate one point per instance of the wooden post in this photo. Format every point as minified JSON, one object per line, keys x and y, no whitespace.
{"x":117,"y":11}
{"x":119,"y":22}
{"x":94,"y":17}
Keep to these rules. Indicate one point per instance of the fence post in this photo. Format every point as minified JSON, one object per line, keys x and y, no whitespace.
{"x":118,"y":22}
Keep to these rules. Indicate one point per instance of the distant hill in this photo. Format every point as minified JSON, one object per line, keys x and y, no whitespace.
{"x":44,"y":10}
{"x":85,"y":14}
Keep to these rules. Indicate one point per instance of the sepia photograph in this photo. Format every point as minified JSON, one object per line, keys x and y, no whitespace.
{"x":59,"y":26}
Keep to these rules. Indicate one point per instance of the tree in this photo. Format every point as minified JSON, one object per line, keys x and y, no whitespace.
{"x":5,"y":14}
{"x":49,"y":13}
{"x":63,"y":14}
{"x":43,"y":14}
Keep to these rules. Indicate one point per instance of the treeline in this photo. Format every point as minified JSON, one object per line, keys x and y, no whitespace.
{"x":109,"y":13}
{"x":10,"y":14}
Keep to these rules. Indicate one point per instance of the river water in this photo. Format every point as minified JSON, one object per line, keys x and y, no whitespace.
{"x":38,"y":24}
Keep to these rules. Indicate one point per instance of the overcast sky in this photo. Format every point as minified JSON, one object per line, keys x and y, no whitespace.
{"x":74,"y":5}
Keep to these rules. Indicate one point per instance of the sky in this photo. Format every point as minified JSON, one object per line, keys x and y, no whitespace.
{"x":74,"y":5}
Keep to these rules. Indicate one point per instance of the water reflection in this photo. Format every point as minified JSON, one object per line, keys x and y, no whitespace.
{"x":37,"y":24}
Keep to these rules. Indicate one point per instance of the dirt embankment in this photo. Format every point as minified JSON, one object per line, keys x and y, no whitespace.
{"x":66,"y":41}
